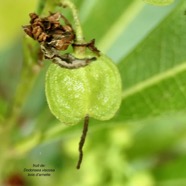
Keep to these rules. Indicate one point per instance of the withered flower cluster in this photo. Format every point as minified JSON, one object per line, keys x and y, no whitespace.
{"x":54,"y":37}
{"x":48,"y":30}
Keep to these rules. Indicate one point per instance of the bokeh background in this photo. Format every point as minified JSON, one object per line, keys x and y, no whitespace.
{"x":144,"y":144}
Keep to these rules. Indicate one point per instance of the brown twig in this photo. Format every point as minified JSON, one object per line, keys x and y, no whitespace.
{"x":82,"y":141}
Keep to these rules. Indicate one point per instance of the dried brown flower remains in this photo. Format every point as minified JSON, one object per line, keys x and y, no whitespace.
{"x":54,"y":37}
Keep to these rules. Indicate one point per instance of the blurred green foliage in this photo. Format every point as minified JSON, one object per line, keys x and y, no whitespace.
{"x":144,"y":144}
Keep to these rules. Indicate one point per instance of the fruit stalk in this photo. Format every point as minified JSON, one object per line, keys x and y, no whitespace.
{"x":79,"y":31}
{"x":82,"y":141}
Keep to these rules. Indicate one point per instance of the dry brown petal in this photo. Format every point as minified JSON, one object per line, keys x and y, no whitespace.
{"x":50,"y":31}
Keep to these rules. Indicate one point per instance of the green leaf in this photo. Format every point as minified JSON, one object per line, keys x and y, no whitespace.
{"x":103,"y":17}
{"x":159,"y":2}
{"x":152,"y":138}
{"x":154,"y":73}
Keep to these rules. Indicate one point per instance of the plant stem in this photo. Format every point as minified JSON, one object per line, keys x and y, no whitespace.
{"x":79,"y":32}
{"x":29,"y":74}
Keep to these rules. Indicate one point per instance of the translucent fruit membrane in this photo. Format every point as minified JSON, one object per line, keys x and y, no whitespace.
{"x":94,"y":90}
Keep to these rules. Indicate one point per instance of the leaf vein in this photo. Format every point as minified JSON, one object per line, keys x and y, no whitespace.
{"x":154,"y":80}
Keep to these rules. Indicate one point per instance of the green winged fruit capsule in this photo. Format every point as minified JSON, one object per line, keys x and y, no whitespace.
{"x":94,"y":90}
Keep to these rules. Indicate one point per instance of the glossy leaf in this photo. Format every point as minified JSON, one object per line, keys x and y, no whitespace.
{"x":154,"y":74}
